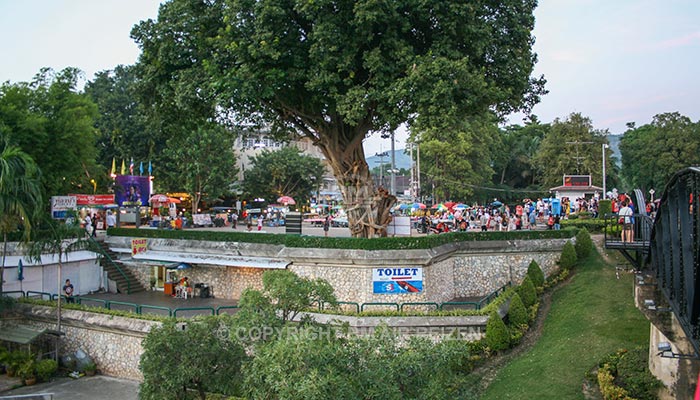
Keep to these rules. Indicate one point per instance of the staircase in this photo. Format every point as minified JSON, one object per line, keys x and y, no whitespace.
{"x":126,"y":281}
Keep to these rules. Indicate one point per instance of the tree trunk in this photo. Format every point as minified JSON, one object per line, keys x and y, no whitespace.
{"x":368,"y":210}
{"x":2,"y":270}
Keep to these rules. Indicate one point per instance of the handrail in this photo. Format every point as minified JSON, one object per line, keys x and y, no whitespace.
{"x":362,"y":307}
{"x":6,"y":292}
{"x":80,"y":300}
{"x":459,"y":303}
{"x":145,"y":306}
{"x":350,"y":303}
{"x":137,"y":308}
{"x":218,"y":309}
{"x":109,"y":259}
{"x":213,"y":312}
{"x":425,"y":303}
{"x":31,"y":292}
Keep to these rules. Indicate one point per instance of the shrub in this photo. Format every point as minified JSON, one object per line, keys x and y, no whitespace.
{"x":604,"y":207}
{"x":45,"y":369}
{"x":527,"y":292}
{"x":517,"y":314}
{"x":497,"y":335}
{"x":592,"y":225}
{"x":627,"y":372}
{"x":584,"y":244}
{"x":535,"y":273}
{"x":568,"y":256}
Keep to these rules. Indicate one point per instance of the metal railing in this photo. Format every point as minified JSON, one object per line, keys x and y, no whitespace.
{"x":114,"y":264}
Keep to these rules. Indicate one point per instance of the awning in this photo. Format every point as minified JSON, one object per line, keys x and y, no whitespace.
{"x":212,"y":259}
{"x":20,"y":334}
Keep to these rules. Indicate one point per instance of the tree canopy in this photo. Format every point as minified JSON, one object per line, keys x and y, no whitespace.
{"x":652,"y":153}
{"x":334,"y":72}
{"x":54,"y":124}
{"x":284,"y":172}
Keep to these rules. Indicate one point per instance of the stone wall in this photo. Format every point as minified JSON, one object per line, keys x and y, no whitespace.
{"x":114,"y":343}
{"x":455,"y":270}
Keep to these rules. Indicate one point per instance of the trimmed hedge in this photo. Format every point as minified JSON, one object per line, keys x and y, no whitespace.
{"x":604,"y":207}
{"x":591,"y":225}
{"x":497,"y":335}
{"x":517,"y":314}
{"x":398,"y":243}
{"x":527,"y":292}
{"x":584,"y":244}
{"x":535,"y":273}
{"x":568,"y":256}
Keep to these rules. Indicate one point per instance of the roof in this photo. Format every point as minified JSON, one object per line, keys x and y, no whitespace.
{"x":583,"y":189}
{"x":212,"y":259}
{"x":20,"y":334}
{"x":49,"y":259}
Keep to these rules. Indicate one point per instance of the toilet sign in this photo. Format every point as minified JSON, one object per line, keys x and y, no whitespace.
{"x":405,"y":280}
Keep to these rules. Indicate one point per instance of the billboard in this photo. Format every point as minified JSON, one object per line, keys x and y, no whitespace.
{"x":94,"y":199}
{"x":577,"y":180}
{"x":61,"y":204}
{"x":397,"y":280}
{"x":132,"y":190}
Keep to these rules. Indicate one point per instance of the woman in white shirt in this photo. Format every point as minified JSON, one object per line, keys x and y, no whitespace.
{"x":625,"y":214}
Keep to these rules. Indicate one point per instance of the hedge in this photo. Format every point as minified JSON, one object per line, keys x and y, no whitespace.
{"x":535,"y":273}
{"x":527,"y":292}
{"x":387,"y":243}
{"x":517,"y":314}
{"x":568,"y":256}
{"x":594,"y":225}
{"x":497,"y":335}
{"x":584,"y":244}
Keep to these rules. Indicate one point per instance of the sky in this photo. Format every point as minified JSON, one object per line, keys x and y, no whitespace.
{"x":612,"y":61}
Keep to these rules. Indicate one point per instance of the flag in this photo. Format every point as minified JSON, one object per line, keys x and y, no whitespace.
{"x":20,"y":270}
{"x":123,"y":171}
{"x":113,"y":171}
{"x":131,"y":166}
{"x":150,"y":169}
{"x":141,"y":168}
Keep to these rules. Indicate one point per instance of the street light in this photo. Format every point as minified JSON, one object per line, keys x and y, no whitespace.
{"x":605,"y":146}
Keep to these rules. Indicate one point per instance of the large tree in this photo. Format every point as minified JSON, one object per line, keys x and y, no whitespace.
{"x":53,"y":123}
{"x":20,"y":194}
{"x":652,"y":153}
{"x":337,"y":71}
{"x":572,"y":147}
{"x":202,"y":162}
{"x":284,"y":172}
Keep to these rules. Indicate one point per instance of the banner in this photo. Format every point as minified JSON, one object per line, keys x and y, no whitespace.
{"x":61,"y":204}
{"x":94,"y":199}
{"x":397,"y":280}
{"x":202,"y":220}
{"x":138,"y":246}
{"x":132,"y":191}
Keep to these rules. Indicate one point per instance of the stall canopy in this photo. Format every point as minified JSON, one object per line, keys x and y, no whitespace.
{"x":20,"y":334}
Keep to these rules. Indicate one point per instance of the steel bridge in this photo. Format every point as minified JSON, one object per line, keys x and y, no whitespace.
{"x":669,"y":245}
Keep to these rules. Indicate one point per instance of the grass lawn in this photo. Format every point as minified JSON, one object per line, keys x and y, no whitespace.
{"x":590,"y":317}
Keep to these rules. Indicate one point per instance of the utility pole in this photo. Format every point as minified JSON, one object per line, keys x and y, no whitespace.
{"x":393,"y":166}
{"x":578,"y":158}
{"x":605,"y":146}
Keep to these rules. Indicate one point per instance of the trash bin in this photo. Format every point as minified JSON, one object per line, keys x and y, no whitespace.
{"x":204,"y":291}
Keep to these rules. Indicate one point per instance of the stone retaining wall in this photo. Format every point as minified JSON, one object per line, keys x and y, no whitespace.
{"x":465,"y":269}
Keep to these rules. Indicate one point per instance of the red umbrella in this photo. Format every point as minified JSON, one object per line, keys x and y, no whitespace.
{"x":286,"y":200}
{"x":450,"y":204}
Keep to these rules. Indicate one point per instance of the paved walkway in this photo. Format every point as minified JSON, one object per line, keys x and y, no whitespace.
{"x":96,"y":387}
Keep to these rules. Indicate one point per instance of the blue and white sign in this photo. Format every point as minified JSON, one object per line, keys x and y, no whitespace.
{"x":397,"y":280}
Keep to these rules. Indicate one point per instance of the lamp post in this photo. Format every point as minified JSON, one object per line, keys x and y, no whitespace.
{"x":605,"y":146}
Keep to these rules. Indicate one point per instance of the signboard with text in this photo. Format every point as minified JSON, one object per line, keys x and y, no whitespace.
{"x":61,"y":204}
{"x":577,"y":180}
{"x":138,"y":246}
{"x":94,"y":199}
{"x":397,"y":280}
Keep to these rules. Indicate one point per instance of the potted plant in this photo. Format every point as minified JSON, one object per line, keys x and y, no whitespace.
{"x":14,"y":360}
{"x":90,"y":369}
{"x":27,"y":371}
{"x":45,"y":369}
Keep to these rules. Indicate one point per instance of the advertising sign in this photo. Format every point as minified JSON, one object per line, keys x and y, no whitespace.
{"x":577,"y":180}
{"x":94,"y":199}
{"x":131,"y":190}
{"x":397,"y":280}
{"x":61,"y":204}
{"x":138,"y":246}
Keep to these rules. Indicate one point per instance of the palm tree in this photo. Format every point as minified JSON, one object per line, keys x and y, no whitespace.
{"x":20,"y":194}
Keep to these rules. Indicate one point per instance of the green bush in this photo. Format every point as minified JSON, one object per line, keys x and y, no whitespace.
{"x":517,"y":314}
{"x":497,"y":335}
{"x":592,"y":225}
{"x":527,"y":292}
{"x":45,"y":369}
{"x":604,"y":207}
{"x":630,"y":373}
{"x":397,"y":243}
{"x":535,"y":273}
{"x":568,"y":256}
{"x":584,"y":244}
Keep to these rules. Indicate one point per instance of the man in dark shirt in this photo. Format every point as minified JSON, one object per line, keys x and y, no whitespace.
{"x":68,"y":291}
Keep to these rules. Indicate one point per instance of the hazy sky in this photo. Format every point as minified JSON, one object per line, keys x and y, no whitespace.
{"x":614,"y":61}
